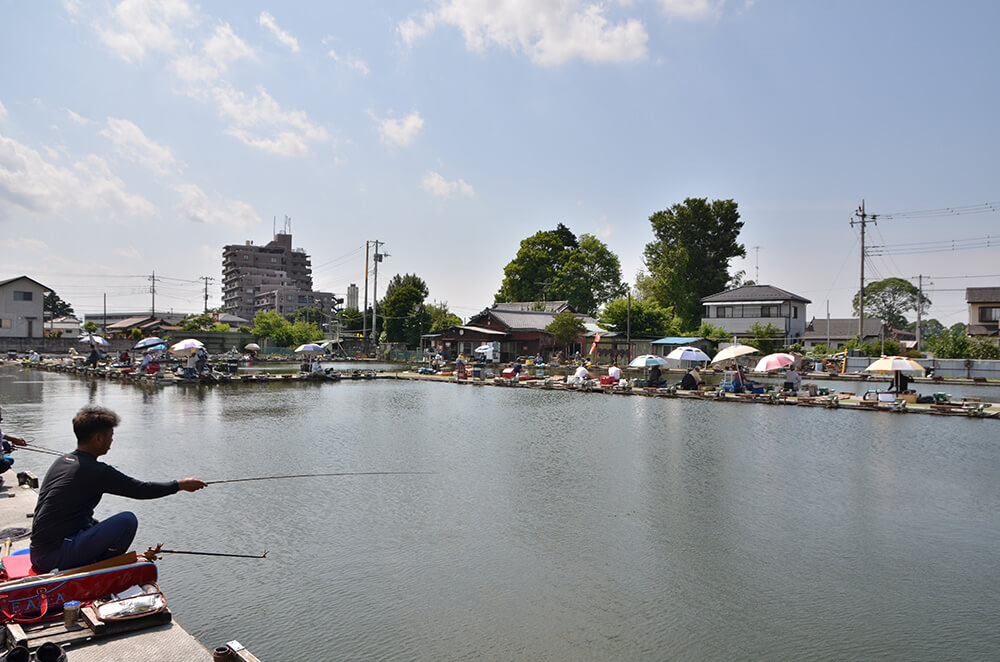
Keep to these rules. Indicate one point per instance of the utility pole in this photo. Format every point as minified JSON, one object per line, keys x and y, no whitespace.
{"x":152,"y":279}
{"x":864,"y":218}
{"x":628,"y":325}
{"x":206,"y":279}
{"x":364,"y":311}
{"x":378,"y":258}
{"x":104,"y":322}
{"x":828,"y":325}
{"x":920,"y":297}
{"x":756,"y":267}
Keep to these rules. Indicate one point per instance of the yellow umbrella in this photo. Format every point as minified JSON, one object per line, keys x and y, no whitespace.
{"x":895,"y":364}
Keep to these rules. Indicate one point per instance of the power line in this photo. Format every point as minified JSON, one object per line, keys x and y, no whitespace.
{"x":984,"y":208}
{"x":939,"y":246}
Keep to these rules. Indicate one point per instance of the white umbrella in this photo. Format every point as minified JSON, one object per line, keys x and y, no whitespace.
{"x":146,"y":343}
{"x":482,"y":349}
{"x":647,"y":361}
{"x":186,"y":347}
{"x":94,"y":340}
{"x":774,"y":362}
{"x":894,"y":364}
{"x":688,"y":354}
{"x":731,"y":352}
{"x":309,"y":348}
{"x":252,"y":346}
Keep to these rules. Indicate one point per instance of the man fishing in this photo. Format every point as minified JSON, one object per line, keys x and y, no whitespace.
{"x":64,"y":533}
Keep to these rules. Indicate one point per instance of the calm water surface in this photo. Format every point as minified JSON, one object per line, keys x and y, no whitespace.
{"x":558,"y":525}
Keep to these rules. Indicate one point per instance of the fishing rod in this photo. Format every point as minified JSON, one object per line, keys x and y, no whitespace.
{"x":152,"y":553}
{"x":39,"y":449}
{"x":324,"y":475}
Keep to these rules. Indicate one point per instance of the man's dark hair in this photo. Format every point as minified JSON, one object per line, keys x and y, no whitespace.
{"x":93,"y":419}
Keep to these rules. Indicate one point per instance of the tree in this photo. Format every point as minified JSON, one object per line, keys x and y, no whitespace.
{"x":689,"y":258}
{"x":951,"y":344}
{"x":928,"y":328}
{"x":888,"y":299}
{"x":553,"y":265}
{"x":403,"y":312}
{"x":440,"y":316}
{"x":274,"y":326}
{"x":308,"y":314}
{"x":302,"y":332}
{"x":649,"y":319}
{"x":984,"y":349}
{"x":55,"y":306}
{"x":716,"y":334}
{"x":90,"y":326}
{"x":566,"y":327}
{"x":767,"y":338}
{"x":350,"y":320}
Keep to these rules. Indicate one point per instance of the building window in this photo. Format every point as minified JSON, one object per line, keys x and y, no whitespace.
{"x":770,"y":311}
{"x":795,"y":312}
{"x":989,"y":314}
{"x":5,"y":324}
{"x":752,"y":311}
{"x":724,"y":311}
{"x":22,"y":296}
{"x":246,"y":257}
{"x":274,"y":259}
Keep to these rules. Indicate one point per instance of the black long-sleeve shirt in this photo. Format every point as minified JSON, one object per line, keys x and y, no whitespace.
{"x":72,"y":488}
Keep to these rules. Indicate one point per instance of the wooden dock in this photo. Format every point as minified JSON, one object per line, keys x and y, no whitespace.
{"x":155,"y":638}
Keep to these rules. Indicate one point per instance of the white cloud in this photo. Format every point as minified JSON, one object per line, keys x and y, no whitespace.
{"x":23,"y":243}
{"x":353,"y":62}
{"x":29,"y":182}
{"x":79,"y":119}
{"x":220,"y":50}
{"x":550,"y":32}
{"x":3,"y":112}
{"x":692,"y":9}
{"x":267,"y":21}
{"x":131,"y":143}
{"x":437,"y":185}
{"x":402,"y":131}
{"x":141,"y":26}
{"x":196,"y":206}
{"x":130,"y":252}
{"x":260,"y":122}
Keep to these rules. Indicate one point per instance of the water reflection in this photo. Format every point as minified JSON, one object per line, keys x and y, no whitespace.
{"x":559,"y":525}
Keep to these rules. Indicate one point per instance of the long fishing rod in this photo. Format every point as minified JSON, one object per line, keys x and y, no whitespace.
{"x":152,"y":553}
{"x":38,"y":449}
{"x":324,"y":475}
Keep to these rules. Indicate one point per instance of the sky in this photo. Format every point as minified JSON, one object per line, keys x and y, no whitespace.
{"x":142,"y":136}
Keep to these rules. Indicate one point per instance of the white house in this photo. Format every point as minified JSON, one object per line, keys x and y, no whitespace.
{"x":21,"y":304}
{"x":65,"y":327}
{"x":739,"y":309}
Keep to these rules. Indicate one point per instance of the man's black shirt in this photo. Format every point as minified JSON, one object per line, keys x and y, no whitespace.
{"x":71,"y":490}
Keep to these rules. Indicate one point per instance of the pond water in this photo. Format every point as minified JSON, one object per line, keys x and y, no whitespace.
{"x":557,"y":526}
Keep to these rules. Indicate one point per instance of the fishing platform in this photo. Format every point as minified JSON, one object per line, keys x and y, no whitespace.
{"x":88,"y":638}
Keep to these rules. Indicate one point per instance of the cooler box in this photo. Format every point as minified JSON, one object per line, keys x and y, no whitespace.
{"x":607,"y":380}
{"x":508,"y":373}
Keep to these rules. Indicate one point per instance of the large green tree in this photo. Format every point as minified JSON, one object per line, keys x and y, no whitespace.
{"x":648,"y":318}
{"x":402,"y":309}
{"x":56,"y":306}
{"x":689,"y":258}
{"x":890,"y":298}
{"x":554,"y":265}
{"x":350,"y":320}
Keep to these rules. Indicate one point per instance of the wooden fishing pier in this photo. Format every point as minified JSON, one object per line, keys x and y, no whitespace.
{"x":156,"y":637}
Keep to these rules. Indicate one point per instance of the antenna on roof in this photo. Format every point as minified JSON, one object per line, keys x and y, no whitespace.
{"x":288,"y":225}
{"x":274,"y":220}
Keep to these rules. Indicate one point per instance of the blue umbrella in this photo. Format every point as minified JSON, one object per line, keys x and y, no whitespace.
{"x":146,"y":343}
{"x":647,"y":361}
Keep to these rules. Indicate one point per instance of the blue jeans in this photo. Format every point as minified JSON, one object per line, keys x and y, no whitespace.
{"x":105,"y":539}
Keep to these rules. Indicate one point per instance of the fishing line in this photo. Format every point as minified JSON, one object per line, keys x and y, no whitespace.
{"x":45,"y":451}
{"x":325,"y":475}
{"x":237,"y":556}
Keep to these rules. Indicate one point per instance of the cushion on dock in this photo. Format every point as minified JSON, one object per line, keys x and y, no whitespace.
{"x":18,"y":566}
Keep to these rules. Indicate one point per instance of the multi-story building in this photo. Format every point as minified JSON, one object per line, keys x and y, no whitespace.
{"x":352,"y":296}
{"x":274,"y":277}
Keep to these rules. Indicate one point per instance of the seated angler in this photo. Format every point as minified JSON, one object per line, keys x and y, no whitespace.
{"x":64,"y":533}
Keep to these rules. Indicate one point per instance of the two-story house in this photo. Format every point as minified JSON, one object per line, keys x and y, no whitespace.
{"x":739,"y":309}
{"x":984,"y":310}
{"x":21,"y":306}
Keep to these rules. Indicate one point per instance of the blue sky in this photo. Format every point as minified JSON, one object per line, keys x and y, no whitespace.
{"x":145,"y":135}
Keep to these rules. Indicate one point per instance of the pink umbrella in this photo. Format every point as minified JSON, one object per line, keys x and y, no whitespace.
{"x":774,"y":362}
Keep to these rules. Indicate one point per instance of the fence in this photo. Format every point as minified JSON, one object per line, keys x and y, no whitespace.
{"x":962,"y":368}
